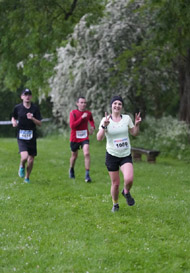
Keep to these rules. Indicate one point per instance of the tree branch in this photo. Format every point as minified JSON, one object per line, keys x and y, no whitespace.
{"x":73,"y":6}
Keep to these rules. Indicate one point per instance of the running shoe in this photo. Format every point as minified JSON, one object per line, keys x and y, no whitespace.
{"x":87,"y":178}
{"x":71,"y":173}
{"x":115,"y":208}
{"x":26,"y":180}
{"x":21,"y":171}
{"x":129,"y":199}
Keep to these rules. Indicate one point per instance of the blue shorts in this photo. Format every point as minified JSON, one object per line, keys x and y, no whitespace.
{"x":77,"y":145}
{"x":113,"y":162}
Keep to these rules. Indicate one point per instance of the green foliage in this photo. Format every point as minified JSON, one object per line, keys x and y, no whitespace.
{"x":166,"y":42}
{"x":60,"y":225}
{"x":7,"y":102}
{"x":153,"y":86}
{"x":116,"y":56}
{"x":31,"y":31}
{"x":173,"y":25}
{"x":143,"y":67}
{"x":167,"y":134}
{"x":51,"y":128}
{"x":135,"y":49}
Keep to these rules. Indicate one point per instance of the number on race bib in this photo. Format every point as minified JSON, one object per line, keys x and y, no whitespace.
{"x":120,"y":144}
{"x":25,"y":134}
{"x":81,"y":134}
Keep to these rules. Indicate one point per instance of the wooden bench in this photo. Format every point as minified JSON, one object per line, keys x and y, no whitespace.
{"x":151,"y":154}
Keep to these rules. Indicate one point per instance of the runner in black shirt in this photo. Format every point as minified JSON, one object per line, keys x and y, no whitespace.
{"x":28,"y":116}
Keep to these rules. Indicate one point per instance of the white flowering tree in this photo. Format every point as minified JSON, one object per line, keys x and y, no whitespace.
{"x":86,"y":64}
{"x":100,"y":61}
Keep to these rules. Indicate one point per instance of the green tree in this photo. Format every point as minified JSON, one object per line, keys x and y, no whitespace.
{"x":168,"y":39}
{"x":31,"y":31}
{"x":172,"y":30}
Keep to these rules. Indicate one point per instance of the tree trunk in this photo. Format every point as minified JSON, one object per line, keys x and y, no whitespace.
{"x":184,"y":80}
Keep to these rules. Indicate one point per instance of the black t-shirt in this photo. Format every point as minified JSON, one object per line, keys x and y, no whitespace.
{"x":20,"y":113}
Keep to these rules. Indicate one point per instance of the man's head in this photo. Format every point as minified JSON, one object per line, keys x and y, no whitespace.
{"x":81,"y":103}
{"x":26,"y":95}
{"x":26,"y":91}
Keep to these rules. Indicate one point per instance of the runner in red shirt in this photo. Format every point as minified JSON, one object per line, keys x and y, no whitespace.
{"x":79,"y":137}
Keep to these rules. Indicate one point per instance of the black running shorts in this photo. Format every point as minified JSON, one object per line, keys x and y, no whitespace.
{"x":27,"y":145}
{"x":77,"y":145}
{"x":113,"y":162}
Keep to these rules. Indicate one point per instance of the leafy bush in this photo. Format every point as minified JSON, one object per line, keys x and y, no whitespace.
{"x":51,"y":128}
{"x":167,"y":134}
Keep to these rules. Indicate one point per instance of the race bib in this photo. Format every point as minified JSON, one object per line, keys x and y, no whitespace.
{"x":120,"y":144}
{"x":25,"y":134}
{"x":81,"y":134}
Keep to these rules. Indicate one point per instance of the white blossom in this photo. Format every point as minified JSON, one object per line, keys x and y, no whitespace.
{"x":85,"y":63}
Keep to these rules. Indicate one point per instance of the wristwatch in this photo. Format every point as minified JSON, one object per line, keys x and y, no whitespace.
{"x":104,"y":127}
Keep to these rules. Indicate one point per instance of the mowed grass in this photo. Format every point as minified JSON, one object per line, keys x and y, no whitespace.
{"x":56,"y":224}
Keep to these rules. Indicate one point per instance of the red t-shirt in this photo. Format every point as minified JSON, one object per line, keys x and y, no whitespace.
{"x":79,"y":125}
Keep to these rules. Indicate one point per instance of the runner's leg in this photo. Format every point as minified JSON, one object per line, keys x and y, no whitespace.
{"x":127,"y":170}
{"x":115,"y":181}
{"x":86,"y":153}
{"x":30,"y":162}
{"x":23,"y":158}
{"x":73,"y":158}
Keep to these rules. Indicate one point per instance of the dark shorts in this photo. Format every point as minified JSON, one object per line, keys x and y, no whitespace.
{"x":77,"y":145}
{"x":113,"y":162}
{"x":27,"y":146}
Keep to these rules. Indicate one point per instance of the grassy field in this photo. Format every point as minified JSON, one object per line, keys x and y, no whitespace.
{"x":60,"y":225}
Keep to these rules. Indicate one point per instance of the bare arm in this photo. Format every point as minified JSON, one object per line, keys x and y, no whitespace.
{"x":36,"y":121}
{"x":92,"y":128}
{"x":101,"y":132}
{"x":14,"y":122}
{"x":91,"y":131}
{"x":135,"y":130}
